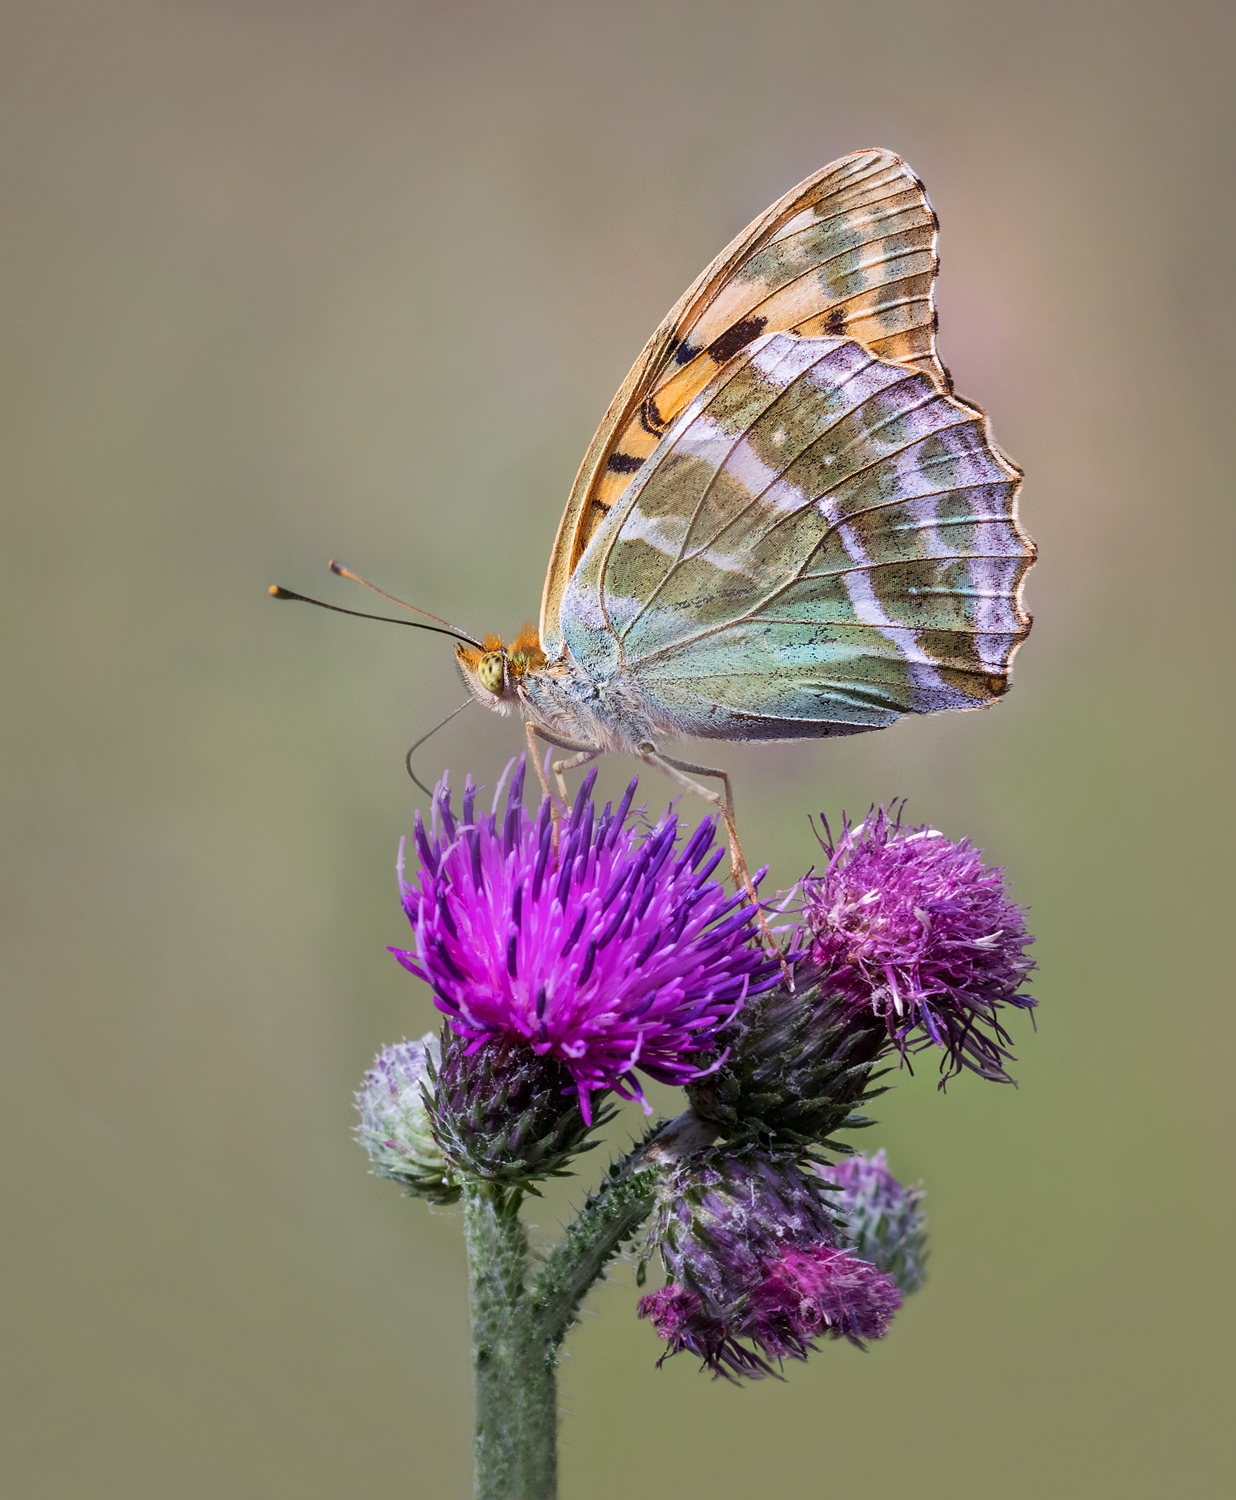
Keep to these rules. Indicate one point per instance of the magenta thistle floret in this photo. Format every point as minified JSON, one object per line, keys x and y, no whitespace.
{"x":603,"y":947}
{"x":919,"y":931}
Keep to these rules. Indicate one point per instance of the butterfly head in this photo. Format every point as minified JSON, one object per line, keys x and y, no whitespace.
{"x":493,"y":671}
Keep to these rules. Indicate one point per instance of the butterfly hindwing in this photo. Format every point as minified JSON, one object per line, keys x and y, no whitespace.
{"x":850,"y":251}
{"x":823,"y":541}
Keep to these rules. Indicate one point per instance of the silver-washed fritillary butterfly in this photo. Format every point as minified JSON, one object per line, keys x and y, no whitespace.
{"x":787,"y":524}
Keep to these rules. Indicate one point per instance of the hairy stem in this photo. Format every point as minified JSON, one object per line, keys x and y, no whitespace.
{"x":611,"y":1215}
{"x":513,"y":1384}
{"x":517,"y":1329}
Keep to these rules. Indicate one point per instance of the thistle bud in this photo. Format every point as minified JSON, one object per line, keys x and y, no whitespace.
{"x":799,"y":1064}
{"x":505,"y":1114}
{"x":395,"y":1124}
{"x":881,"y":1220}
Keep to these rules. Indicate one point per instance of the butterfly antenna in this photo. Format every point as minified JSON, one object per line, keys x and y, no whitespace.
{"x":343,"y":572}
{"x":276,"y":591}
{"x":407,"y":760}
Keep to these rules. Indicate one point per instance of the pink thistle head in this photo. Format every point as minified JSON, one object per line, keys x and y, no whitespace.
{"x":921,"y":934}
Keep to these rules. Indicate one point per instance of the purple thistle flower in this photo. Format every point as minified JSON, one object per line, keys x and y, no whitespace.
{"x":598,"y":946}
{"x":920,"y":933}
{"x":751,"y":1251}
{"x":679,"y":1318}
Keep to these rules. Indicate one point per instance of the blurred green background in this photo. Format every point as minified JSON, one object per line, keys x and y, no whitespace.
{"x":291,"y":281}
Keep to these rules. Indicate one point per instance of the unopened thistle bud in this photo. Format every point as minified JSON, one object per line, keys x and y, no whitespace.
{"x":504,"y":1114}
{"x":395,"y":1126}
{"x":798,"y":1067}
{"x":881,"y":1220}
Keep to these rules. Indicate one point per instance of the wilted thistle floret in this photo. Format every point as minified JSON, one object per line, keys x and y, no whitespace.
{"x":755,"y":1268}
{"x":917,"y":930}
{"x":595,"y":944}
{"x":395,"y":1127}
{"x":881,"y":1221}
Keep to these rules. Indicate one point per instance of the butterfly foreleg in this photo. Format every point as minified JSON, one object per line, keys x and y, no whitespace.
{"x":534,"y":755}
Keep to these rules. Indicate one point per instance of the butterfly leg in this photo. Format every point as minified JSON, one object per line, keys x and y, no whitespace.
{"x":682,"y":771}
{"x":581,"y":756}
{"x":534,"y":755}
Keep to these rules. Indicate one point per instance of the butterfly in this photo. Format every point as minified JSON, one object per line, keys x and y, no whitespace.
{"x":787,"y":525}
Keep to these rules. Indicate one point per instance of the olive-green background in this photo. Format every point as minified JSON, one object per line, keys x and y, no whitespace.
{"x":290,"y":281}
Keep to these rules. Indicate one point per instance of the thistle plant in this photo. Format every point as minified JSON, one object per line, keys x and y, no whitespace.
{"x":572,"y":953}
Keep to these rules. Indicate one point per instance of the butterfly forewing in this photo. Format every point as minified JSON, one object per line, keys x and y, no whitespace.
{"x":850,"y":251}
{"x":822,"y":542}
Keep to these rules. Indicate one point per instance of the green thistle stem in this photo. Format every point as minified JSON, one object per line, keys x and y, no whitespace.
{"x":514,"y":1392}
{"x":517,"y":1328}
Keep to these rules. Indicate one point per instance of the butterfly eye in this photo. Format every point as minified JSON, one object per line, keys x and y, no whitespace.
{"x":491,"y":672}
